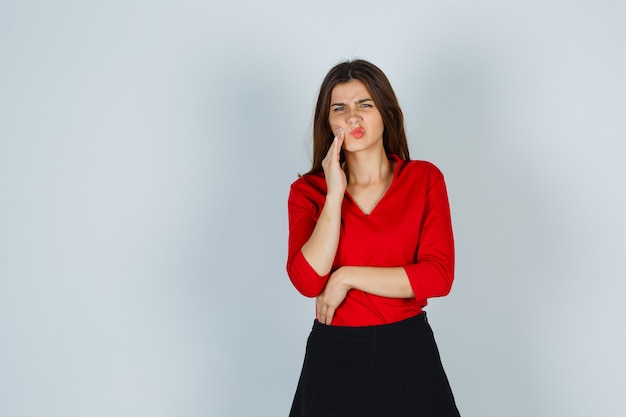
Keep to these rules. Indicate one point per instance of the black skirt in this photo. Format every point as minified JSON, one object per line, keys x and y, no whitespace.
{"x":391,"y":370}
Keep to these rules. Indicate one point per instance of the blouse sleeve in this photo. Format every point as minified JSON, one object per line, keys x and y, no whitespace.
{"x":433,"y":273}
{"x":303,"y":215}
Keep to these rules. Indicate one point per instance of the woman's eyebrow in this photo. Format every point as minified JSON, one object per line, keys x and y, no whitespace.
{"x":363,"y":100}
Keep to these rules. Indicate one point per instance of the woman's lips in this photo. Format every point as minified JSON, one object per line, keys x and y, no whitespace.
{"x":358,"y":132}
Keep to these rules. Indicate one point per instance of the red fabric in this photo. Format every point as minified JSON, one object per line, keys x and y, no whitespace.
{"x":410,"y":227}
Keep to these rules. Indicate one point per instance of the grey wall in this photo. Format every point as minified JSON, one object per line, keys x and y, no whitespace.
{"x":146,"y":150}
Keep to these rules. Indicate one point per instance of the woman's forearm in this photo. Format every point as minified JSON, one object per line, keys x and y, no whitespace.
{"x":391,"y":282}
{"x":321,"y":248}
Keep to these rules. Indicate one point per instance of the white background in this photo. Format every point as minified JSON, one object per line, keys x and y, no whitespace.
{"x":146,"y":152}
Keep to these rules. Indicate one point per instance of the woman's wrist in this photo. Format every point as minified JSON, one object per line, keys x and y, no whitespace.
{"x":332,"y":205}
{"x":335,"y":195}
{"x":344,"y":277}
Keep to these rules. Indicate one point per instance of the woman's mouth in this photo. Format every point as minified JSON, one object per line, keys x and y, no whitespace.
{"x":358,"y":132}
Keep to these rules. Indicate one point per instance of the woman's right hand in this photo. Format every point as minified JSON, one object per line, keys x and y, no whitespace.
{"x":336,"y":181}
{"x":321,"y":248}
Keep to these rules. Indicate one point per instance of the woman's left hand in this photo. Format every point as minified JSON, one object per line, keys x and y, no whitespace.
{"x":332,"y":296}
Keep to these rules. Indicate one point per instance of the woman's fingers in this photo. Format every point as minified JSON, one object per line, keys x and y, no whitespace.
{"x":328,"y":318}
{"x":338,"y":142}
{"x":331,"y":297}
{"x":335,"y":177}
{"x":325,"y":313}
{"x":334,"y":152}
{"x":336,"y":148}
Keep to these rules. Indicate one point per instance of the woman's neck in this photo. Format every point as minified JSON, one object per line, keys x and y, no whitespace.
{"x":363,"y":168}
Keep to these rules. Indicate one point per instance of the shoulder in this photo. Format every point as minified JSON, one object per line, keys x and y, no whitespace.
{"x":419,"y":171}
{"x":309,"y":187}
{"x":309,"y":182}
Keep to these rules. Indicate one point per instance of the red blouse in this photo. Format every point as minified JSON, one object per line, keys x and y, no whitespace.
{"x":409,"y":227}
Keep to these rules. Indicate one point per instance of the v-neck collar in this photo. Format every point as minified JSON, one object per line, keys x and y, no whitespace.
{"x":383,"y":198}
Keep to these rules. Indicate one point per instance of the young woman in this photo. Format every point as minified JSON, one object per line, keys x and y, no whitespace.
{"x":370,"y":237}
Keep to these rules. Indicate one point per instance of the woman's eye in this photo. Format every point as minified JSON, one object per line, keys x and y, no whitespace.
{"x":366,"y":105}
{"x":339,"y":108}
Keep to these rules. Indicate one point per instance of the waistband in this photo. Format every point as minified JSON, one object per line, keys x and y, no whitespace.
{"x":371,"y":331}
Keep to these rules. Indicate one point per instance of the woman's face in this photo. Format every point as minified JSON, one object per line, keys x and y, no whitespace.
{"x":353,"y":109}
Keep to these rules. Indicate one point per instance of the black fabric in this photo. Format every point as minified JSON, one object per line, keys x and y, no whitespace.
{"x":393,"y":370}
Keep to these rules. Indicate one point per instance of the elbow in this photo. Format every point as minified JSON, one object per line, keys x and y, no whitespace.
{"x":430,"y":278}
{"x":307,"y":292}
{"x":442,"y":268}
{"x":446,"y":282}
{"x":308,"y":282}
{"x":445,"y":273}
{"x":305,"y":283}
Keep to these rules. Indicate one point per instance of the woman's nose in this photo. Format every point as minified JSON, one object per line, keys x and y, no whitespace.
{"x":352,"y":118}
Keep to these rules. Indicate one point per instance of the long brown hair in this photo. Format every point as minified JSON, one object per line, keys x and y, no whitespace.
{"x":394,"y":136}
